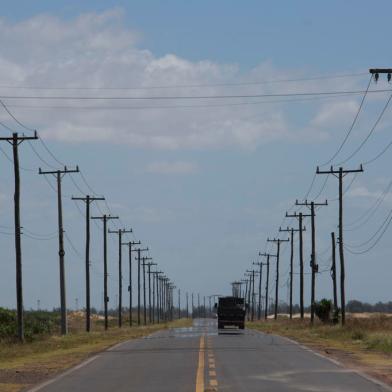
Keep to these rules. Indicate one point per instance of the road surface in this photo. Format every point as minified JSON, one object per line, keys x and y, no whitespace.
{"x":197,"y":359}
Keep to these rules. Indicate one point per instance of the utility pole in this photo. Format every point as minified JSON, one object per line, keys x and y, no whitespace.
{"x":193,"y":307}
{"x":120,"y":232}
{"x":59,"y":174}
{"x":340,"y":174}
{"x":187,"y":305}
{"x":155,"y":295}
{"x":149,"y":291}
{"x":249,"y":291}
{"x":198,"y":305}
{"x":260,"y":264}
{"x":139,"y":250}
{"x":15,"y":140}
{"x":333,"y":272}
{"x":88,"y":200}
{"x":130,"y":287}
{"x":301,"y":229}
{"x":278,"y":242}
{"x":252,"y":277}
{"x":313,"y":262}
{"x":105,"y":218}
{"x":179,"y":303}
{"x":291,"y":231}
{"x":268,"y":255}
{"x":144,"y":259}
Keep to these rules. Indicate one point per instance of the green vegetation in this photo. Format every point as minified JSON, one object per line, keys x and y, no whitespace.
{"x":37,"y":323}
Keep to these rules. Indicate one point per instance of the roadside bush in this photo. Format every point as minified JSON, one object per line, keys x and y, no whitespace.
{"x":35,"y":323}
{"x":323,"y":310}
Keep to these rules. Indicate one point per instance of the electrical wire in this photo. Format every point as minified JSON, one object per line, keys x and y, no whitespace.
{"x":371,"y":211}
{"x":369,"y":134}
{"x":7,"y":127}
{"x":312,"y":78}
{"x":14,"y":118}
{"x":39,"y":156}
{"x":179,"y":97}
{"x":373,"y":245}
{"x":384,"y":223}
{"x":12,"y":161}
{"x":351,"y":126}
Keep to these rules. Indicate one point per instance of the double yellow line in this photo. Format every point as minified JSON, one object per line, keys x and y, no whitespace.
{"x":200,"y":367}
{"x":200,"y":381}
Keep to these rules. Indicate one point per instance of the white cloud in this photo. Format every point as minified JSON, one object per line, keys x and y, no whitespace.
{"x":171,"y":168}
{"x":98,"y":50}
{"x":333,"y":114}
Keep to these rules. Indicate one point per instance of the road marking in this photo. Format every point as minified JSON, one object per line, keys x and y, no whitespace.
{"x":212,"y":373}
{"x":200,"y":367}
{"x":69,"y":371}
{"x":213,"y":383}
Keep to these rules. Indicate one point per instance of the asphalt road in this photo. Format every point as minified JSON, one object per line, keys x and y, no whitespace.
{"x":198,"y":359}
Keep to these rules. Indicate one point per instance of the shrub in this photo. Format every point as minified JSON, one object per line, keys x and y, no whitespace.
{"x":35,"y":323}
{"x":323,"y":310}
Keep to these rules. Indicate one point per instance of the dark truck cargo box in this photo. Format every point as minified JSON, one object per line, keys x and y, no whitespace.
{"x":231,"y":312}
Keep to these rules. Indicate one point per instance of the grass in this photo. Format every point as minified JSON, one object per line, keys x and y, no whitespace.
{"x":365,"y":343}
{"x":26,"y":364}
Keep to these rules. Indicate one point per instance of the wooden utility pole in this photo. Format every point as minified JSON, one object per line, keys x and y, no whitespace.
{"x":278,"y":242}
{"x":15,"y":140}
{"x":179,"y":303}
{"x":252,"y":274}
{"x":149,"y":290}
{"x":120,"y":232}
{"x":138,"y":258}
{"x":88,"y":200}
{"x":340,"y":174}
{"x":130,"y":286}
{"x":301,"y":229}
{"x":155,"y":295}
{"x":291,"y":231}
{"x":144,"y":259}
{"x":313,"y":261}
{"x":193,"y":306}
{"x":333,"y":272}
{"x":260,"y":264}
{"x":59,"y":174}
{"x":187,"y":305}
{"x":105,"y":218}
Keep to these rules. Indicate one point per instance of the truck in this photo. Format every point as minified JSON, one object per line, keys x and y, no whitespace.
{"x":231,"y":312}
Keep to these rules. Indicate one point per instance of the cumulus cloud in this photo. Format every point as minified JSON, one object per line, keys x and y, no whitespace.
{"x":171,"y":168}
{"x":96,"y":55}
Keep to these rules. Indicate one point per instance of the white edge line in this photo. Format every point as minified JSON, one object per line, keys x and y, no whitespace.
{"x":52,"y":380}
{"x":334,"y":361}
{"x":81,"y":365}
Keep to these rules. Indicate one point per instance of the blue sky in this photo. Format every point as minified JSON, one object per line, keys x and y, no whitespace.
{"x":202,"y":185}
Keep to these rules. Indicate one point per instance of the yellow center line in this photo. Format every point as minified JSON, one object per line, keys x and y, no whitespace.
{"x":200,"y":367}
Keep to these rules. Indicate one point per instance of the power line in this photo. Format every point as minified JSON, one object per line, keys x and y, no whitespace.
{"x":371,"y":211}
{"x":15,"y":119}
{"x":369,"y":134}
{"x":351,"y":126}
{"x":106,"y":107}
{"x":173,"y":97}
{"x":374,"y":234}
{"x":373,"y":245}
{"x":250,"y":83}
